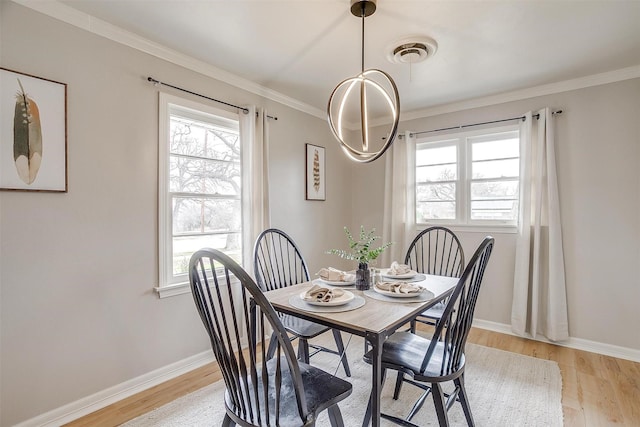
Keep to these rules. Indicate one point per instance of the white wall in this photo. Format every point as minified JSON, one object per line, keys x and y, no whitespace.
{"x":598,"y":150}
{"x":78,"y":313}
{"x":315,"y":225}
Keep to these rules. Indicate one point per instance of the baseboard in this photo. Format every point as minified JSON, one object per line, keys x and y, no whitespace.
{"x":94,"y":402}
{"x":576,"y":343}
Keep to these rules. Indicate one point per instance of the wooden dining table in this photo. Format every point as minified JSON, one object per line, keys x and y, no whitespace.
{"x":376,"y":320}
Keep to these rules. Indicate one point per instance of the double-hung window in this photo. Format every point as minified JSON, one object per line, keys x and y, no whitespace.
{"x":199,"y":187}
{"x":468,"y":178}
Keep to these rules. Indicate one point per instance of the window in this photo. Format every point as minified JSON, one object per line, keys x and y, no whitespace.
{"x":200,"y":187}
{"x":470,"y":178}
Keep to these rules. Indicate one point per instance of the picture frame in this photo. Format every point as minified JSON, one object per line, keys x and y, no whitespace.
{"x":315,"y":172}
{"x":33,"y":133}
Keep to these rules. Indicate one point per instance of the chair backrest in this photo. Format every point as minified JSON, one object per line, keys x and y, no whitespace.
{"x":450,"y":335}
{"x":256,"y":392}
{"x":277,"y":261}
{"x":436,"y":250}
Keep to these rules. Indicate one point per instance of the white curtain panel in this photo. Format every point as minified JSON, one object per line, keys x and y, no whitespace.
{"x":539,"y":289}
{"x":254,"y":136}
{"x":399,"y":224}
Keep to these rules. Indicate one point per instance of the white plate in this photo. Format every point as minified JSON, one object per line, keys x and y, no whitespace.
{"x":396,"y":295}
{"x":408,"y":275}
{"x":339,"y":283}
{"x":341,"y":300}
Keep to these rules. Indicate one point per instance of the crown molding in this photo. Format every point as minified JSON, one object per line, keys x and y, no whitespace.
{"x":102,"y":28}
{"x":532,"y":92}
{"x":71,"y":16}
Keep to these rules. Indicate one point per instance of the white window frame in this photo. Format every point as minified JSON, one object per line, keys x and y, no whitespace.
{"x":170,"y":284}
{"x":462,"y":142}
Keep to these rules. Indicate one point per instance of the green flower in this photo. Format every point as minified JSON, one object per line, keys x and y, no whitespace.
{"x":361,"y":250}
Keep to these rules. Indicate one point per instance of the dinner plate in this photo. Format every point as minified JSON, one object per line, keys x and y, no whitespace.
{"x":338,"y":283}
{"x":408,"y":275}
{"x":341,"y":300}
{"x":396,"y":295}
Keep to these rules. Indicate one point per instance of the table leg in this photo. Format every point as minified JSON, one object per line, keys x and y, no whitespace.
{"x":376,"y":341}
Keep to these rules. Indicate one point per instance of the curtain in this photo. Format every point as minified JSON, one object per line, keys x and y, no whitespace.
{"x":539,"y":289}
{"x":399,"y":205}
{"x":254,"y":137}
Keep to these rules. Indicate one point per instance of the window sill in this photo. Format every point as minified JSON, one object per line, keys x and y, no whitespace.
{"x":173,"y":290}
{"x":496,"y":229}
{"x":185,"y":287}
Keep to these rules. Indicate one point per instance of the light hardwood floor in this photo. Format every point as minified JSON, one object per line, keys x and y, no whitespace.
{"x":597,"y":390}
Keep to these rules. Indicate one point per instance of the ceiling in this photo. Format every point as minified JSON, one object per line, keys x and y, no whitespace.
{"x":304,"y":48}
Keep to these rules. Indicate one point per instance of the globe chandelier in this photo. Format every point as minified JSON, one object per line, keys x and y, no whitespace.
{"x":372,"y":84}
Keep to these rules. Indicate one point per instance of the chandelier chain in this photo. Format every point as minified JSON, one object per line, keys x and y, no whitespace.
{"x":362,"y":45}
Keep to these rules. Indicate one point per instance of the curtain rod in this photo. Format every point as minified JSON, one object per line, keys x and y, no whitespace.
{"x":537,"y":116}
{"x":243,"y":109}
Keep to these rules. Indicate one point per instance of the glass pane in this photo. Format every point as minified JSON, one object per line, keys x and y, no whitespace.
{"x":188,"y":175}
{"x":187,"y":215}
{"x":496,"y":169}
{"x":494,"y":190}
{"x":436,"y":173}
{"x":185,"y":138}
{"x":503,"y":210}
{"x":223,"y":215}
{"x":435,"y":192}
{"x":435,"y":156}
{"x":426,"y":211}
{"x":499,"y":149}
{"x":194,"y":138}
{"x":185,"y":246}
{"x":205,"y":215}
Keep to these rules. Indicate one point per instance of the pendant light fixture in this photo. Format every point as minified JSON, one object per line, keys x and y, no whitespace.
{"x":373,"y":84}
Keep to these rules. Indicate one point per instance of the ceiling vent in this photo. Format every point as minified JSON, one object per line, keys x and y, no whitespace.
{"x":412,"y":50}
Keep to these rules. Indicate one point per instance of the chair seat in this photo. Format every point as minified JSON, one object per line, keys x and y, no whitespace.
{"x":321,"y":390}
{"x":301,"y":327}
{"x":434,"y":312}
{"x":404,"y":351}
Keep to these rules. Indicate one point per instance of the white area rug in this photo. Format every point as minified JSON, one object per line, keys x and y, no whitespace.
{"x":505,"y":389}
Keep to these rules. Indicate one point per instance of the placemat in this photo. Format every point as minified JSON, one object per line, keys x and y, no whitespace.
{"x":355,"y":303}
{"x":424,"y":296}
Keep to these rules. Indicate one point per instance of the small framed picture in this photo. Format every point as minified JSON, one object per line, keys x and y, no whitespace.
{"x":315,"y":173}
{"x":33,"y":133}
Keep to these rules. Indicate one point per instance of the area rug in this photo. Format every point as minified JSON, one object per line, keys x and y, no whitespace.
{"x":505,"y":389}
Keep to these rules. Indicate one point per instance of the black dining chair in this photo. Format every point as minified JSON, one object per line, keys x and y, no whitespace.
{"x":278,"y":263}
{"x":260,"y":391}
{"x":435,"y":250}
{"x":427,"y":363}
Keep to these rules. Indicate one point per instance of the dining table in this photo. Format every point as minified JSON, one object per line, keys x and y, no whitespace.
{"x":371,"y":315}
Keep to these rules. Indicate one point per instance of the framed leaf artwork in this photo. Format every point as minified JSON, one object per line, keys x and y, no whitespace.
{"x":315,"y":172}
{"x":33,"y":133}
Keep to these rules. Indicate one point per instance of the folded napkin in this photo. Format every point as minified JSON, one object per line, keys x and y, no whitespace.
{"x":318,"y":293}
{"x":335,"y":275}
{"x":400,"y":287}
{"x":397,"y":269}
